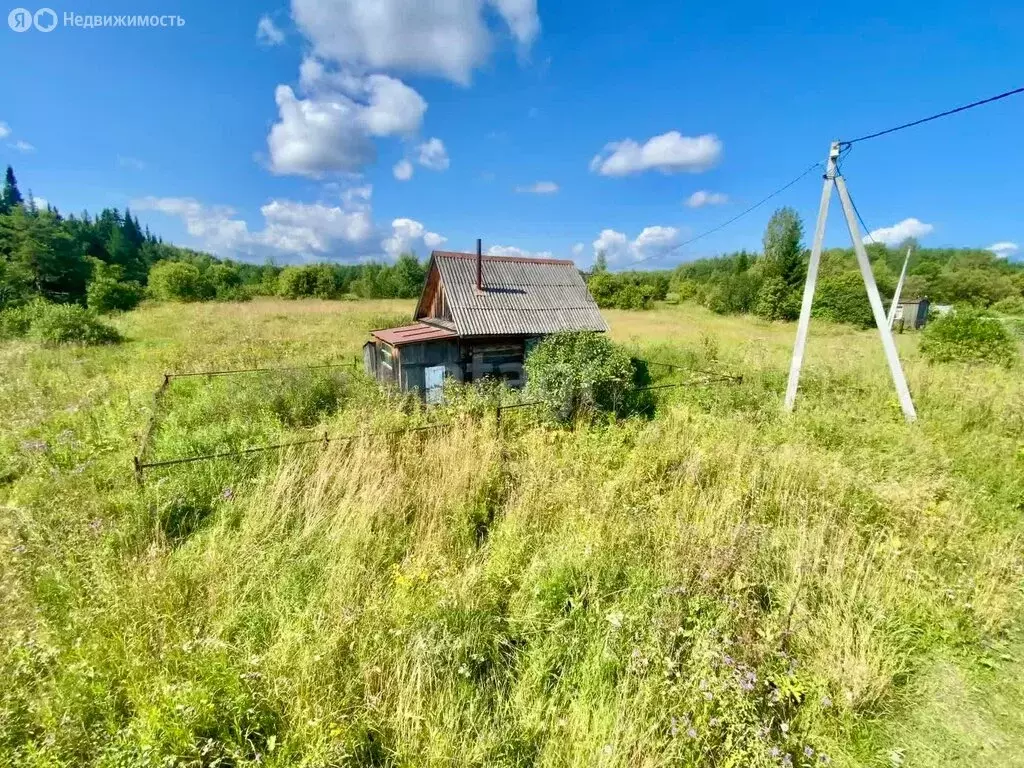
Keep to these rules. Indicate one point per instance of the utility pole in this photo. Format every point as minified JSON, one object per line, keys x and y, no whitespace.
{"x":832,"y":179}
{"x":899,"y":288}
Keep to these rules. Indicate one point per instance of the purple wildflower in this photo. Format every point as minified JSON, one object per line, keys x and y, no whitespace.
{"x":227,"y":494}
{"x":691,"y":732}
{"x":774,"y":751}
{"x":808,"y":752}
{"x":748,"y":681}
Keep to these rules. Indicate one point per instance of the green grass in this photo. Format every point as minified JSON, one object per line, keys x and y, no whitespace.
{"x":700,"y":588}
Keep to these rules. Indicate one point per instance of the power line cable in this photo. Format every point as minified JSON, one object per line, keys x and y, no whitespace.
{"x":724,"y":224}
{"x":948,"y":112}
{"x":867,"y":230}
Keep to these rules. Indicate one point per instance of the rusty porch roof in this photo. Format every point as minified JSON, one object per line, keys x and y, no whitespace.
{"x":413,"y":334}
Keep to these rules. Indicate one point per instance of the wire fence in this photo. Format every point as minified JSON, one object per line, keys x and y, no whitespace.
{"x":148,"y":431}
{"x":140,"y":465}
{"x":353,"y":364}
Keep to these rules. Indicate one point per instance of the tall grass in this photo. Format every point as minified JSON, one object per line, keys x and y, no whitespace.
{"x":719,"y":585}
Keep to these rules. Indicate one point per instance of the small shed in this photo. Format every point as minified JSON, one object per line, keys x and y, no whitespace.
{"x":912,"y":313}
{"x":477,"y":317}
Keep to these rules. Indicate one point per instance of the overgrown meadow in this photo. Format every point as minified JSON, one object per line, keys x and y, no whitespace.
{"x":717,"y":585}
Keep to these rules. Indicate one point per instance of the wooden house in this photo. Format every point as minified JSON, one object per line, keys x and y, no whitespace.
{"x":911,"y":314}
{"x":478,"y":317}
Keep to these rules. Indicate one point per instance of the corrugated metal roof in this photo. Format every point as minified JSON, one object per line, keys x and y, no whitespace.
{"x":413,"y":334}
{"x":520,"y":296}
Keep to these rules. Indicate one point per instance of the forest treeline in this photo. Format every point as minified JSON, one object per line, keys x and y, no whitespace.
{"x":770,"y":283}
{"x":110,"y":262}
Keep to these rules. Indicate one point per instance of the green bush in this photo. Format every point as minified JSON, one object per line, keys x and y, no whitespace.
{"x":1013,"y":306}
{"x":777,"y":301}
{"x":179,"y":281}
{"x":733,"y":294}
{"x":580,"y":372}
{"x":53,"y":324}
{"x":226,"y":281}
{"x":623,"y":291}
{"x":966,"y":335}
{"x":15,"y":284}
{"x":296,"y":283}
{"x":109,"y":292}
{"x":71,"y":324}
{"x":15,"y":322}
{"x":106,"y":296}
{"x":842,"y":298}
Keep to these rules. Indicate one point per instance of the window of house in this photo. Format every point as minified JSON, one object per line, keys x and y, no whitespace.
{"x":504,"y":363}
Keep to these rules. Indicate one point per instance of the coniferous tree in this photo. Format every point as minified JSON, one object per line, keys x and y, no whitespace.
{"x":11,"y":196}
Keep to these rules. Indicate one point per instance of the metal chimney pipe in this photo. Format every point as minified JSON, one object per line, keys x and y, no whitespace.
{"x":479,"y":264}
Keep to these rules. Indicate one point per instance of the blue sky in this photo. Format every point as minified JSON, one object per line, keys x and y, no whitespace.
{"x":282,"y":131}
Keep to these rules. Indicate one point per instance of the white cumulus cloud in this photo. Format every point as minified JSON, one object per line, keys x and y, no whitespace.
{"x":295,"y":230}
{"x":23,"y":146}
{"x":402,"y":170}
{"x":669,"y":153}
{"x":539,"y":188}
{"x":577,"y":249}
{"x":702,"y":197}
{"x":1003,"y":249}
{"x":217,"y":227}
{"x":314,"y":137}
{"x":432,"y":154}
{"x":406,"y":235}
{"x":303,"y":227}
{"x":267,"y":32}
{"x":651,"y":242}
{"x":511,"y":250}
{"x":331,"y":130}
{"x":442,"y":37}
{"x":899,"y":232}
{"x":392,"y":107}
{"x":5,"y":130}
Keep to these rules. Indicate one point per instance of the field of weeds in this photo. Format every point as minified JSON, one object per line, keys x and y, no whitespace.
{"x":720,"y":584}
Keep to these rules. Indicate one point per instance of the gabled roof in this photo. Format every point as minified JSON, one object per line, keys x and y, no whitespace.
{"x":520,"y":296}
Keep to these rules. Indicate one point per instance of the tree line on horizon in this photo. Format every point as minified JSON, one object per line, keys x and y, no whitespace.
{"x":110,"y":262}
{"x":770,"y":284}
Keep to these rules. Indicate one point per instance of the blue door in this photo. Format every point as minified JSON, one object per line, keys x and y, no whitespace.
{"x":433,"y":379}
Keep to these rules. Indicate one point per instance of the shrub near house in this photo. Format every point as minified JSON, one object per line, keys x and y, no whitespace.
{"x":966,"y":335}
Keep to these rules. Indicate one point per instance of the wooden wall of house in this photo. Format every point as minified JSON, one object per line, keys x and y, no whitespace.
{"x":500,"y":358}
{"x":380,"y":361}
{"x":370,"y":358}
{"x":415,"y":357}
{"x":464,"y":360}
